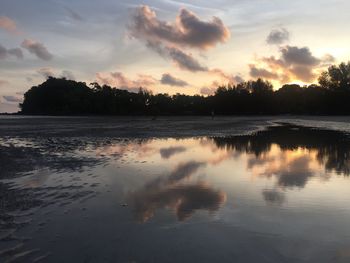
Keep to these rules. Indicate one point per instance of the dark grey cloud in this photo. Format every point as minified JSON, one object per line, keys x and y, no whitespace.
{"x":181,"y":172}
{"x":181,"y":59}
{"x":171,"y":192}
{"x":184,"y":61}
{"x":238,"y":79}
{"x":304,"y":73}
{"x":37,"y":49}
{"x":297,"y":174}
{"x":73,"y":14}
{"x":184,"y":200}
{"x":278,"y":36}
{"x":187,"y":30}
{"x":166,"y":153}
{"x":168,"y":79}
{"x":168,"y":39}
{"x":17,"y":52}
{"x":4,"y":52}
{"x":184,"y":170}
{"x":261,"y":73}
{"x":273,"y":196}
{"x":293,"y":55}
{"x":12,"y":99}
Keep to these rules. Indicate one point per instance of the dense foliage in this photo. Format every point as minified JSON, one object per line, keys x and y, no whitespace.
{"x":68,"y":97}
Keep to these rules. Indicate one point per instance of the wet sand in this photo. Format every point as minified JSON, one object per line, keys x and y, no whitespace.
{"x":180,"y":189}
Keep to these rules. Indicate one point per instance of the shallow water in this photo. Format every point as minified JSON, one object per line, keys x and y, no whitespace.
{"x":278,"y":195}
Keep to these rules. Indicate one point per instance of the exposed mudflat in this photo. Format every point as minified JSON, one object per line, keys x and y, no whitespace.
{"x":180,"y":126}
{"x":174,"y":189}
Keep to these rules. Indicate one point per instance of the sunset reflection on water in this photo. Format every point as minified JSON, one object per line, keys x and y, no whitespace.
{"x":277,"y":194}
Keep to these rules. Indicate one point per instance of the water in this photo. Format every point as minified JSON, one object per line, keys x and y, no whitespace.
{"x":277,"y":195}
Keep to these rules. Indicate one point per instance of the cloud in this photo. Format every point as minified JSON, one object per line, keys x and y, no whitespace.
{"x":184,"y":200}
{"x":299,"y":56}
{"x":168,"y":79}
{"x":273,"y":196}
{"x":67,"y":75}
{"x":74,"y":15}
{"x":261,"y":73}
{"x":303,"y":73}
{"x":229,"y":78}
{"x":4,"y":52}
{"x":328,"y":58}
{"x":37,"y":49}
{"x":8,"y":24}
{"x":181,"y":59}
{"x":278,"y":36}
{"x":17,"y":52}
{"x":294,"y":63}
{"x":181,"y":172}
{"x":187,"y":30}
{"x":184,"y":170}
{"x":119,"y":80}
{"x":12,"y":99}
{"x":185,"y":61}
{"x":207,"y":91}
{"x":46,"y":72}
{"x":171,"y":192}
{"x":238,"y":79}
{"x":166,"y":153}
{"x":169,"y":39}
{"x":3,"y":82}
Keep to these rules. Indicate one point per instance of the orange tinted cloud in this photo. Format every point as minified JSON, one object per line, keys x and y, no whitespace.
{"x":8,"y":24}
{"x":119,"y":80}
{"x":294,"y":63}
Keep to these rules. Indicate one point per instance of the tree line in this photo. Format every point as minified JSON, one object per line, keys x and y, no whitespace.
{"x":59,"y":96}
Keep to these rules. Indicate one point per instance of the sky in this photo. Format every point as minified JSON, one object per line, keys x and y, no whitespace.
{"x":168,"y":46}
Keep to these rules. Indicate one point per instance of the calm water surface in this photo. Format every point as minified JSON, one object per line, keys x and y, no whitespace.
{"x":279,"y":195}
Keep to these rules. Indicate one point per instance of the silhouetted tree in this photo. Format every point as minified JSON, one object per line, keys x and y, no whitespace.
{"x":68,"y":97}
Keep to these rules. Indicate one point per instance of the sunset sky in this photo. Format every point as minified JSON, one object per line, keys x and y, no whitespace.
{"x":167,"y":45}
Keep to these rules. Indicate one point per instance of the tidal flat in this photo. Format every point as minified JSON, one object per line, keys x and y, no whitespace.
{"x":174,"y":189}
